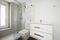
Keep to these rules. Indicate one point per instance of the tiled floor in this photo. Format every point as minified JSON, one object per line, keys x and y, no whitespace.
{"x":30,"y":38}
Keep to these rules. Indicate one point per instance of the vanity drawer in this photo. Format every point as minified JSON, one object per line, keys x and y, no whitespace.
{"x":43,"y":28}
{"x":40,"y":35}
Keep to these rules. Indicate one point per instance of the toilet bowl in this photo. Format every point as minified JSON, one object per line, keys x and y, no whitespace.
{"x":24,"y":34}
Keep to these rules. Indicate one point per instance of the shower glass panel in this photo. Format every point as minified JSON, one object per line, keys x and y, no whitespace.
{"x":16,"y":10}
{"x":15,"y":21}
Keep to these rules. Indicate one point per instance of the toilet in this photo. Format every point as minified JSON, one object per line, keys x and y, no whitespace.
{"x":24,"y":34}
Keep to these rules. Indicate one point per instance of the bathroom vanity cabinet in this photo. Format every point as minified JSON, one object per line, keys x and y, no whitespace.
{"x":41,"y":31}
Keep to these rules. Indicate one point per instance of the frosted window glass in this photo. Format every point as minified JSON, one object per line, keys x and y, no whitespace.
{"x":3,"y":15}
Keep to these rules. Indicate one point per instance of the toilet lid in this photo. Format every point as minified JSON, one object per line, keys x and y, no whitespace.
{"x":24,"y":31}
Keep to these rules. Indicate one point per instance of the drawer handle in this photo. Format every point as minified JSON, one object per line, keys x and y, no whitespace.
{"x":37,"y":27}
{"x":39,"y":35}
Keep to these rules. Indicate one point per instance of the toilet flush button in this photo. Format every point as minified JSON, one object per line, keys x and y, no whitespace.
{"x":41,"y":21}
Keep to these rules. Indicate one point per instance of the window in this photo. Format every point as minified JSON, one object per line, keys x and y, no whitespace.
{"x":4,"y":15}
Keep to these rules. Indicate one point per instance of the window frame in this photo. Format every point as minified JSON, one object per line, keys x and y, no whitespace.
{"x":8,"y":15}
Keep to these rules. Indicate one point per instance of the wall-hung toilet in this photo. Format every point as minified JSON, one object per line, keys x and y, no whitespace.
{"x":24,"y":34}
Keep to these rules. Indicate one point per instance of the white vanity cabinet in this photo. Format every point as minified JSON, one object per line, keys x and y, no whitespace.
{"x":41,"y":31}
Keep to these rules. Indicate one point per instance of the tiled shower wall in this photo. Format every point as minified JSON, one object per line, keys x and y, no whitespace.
{"x":16,"y":15}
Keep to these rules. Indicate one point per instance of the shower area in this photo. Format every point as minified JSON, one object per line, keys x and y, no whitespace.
{"x":16,"y":22}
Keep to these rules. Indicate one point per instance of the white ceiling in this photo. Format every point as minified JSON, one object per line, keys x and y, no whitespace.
{"x":32,"y":0}
{"x":29,"y":0}
{"x":21,"y":1}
